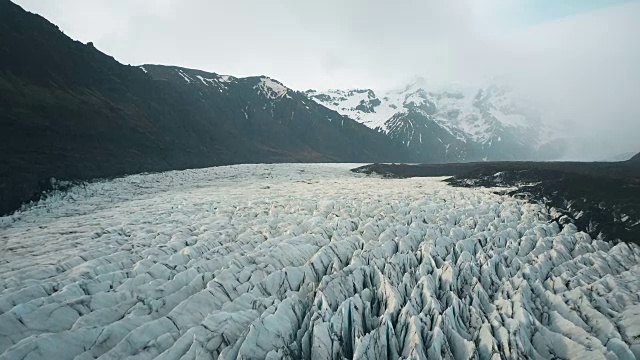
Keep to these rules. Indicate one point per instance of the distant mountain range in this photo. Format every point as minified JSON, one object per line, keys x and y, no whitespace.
{"x":71,"y":112}
{"x":486,"y":123}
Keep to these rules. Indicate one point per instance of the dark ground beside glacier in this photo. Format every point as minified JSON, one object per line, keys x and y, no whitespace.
{"x":601,"y":198}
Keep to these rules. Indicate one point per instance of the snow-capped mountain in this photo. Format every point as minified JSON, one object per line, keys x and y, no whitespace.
{"x":483,"y":123}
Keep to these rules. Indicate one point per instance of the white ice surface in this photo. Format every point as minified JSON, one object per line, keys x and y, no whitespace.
{"x":307,"y":261}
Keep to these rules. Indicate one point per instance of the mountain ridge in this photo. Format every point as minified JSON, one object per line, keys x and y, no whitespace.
{"x":486,"y":123}
{"x":71,"y":112}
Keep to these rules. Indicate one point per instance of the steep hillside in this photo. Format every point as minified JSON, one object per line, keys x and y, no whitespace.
{"x":265,"y":111}
{"x":71,"y":112}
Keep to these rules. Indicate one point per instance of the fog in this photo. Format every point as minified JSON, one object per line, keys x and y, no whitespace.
{"x":577,"y":60}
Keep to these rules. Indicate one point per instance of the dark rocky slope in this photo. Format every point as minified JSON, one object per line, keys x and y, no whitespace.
{"x":70,"y":112}
{"x":601,"y":198}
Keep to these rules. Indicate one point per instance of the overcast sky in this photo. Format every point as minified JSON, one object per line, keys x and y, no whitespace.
{"x":581,"y":56}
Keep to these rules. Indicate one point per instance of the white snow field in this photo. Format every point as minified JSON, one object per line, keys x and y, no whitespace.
{"x":307,"y":261}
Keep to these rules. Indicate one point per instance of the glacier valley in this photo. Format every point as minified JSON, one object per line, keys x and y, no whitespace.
{"x":310,"y":261}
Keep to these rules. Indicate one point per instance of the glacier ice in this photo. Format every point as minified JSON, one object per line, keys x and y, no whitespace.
{"x":307,"y":261}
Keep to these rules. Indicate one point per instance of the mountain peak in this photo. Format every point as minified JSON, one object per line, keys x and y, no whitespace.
{"x":271,"y":88}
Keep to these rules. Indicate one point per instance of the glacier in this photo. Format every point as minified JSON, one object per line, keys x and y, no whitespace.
{"x":307,"y":261}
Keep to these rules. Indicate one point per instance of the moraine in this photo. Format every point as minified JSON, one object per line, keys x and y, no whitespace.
{"x":307,"y":261}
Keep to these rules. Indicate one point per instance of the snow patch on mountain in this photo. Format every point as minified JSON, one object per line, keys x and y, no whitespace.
{"x":361,"y":105}
{"x":307,"y":262}
{"x":220,"y":82}
{"x":271,"y":89}
{"x":186,"y":77}
{"x":227,"y":78}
